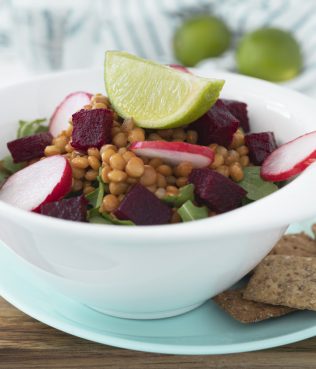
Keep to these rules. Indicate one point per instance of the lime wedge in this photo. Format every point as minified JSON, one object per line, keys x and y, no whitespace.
{"x":155,"y":95}
{"x":269,"y":53}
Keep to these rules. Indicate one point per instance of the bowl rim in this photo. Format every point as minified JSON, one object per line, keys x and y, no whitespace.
{"x":201,"y":229}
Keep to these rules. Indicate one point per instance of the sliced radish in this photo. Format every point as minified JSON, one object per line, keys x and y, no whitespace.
{"x":44,"y":181}
{"x":290,"y":158}
{"x":174,"y":152}
{"x":70,"y":105}
{"x":180,"y":68}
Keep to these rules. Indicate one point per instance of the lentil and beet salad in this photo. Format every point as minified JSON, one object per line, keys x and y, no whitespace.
{"x":103,"y":168}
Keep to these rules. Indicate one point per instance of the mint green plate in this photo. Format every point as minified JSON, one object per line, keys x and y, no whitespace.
{"x":206,"y":330}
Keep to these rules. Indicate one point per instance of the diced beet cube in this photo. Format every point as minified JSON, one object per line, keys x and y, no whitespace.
{"x":30,"y":147}
{"x":91,"y":128}
{"x":143,"y":208}
{"x":260,"y":146}
{"x":216,"y":191}
{"x":74,"y":208}
{"x":218,"y":125}
{"x":239,"y":110}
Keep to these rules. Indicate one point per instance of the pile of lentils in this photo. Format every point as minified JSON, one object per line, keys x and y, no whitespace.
{"x":121,"y":168}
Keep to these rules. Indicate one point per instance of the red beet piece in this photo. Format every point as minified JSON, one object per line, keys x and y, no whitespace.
{"x":239,"y":110}
{"x":91,"y":128}
{"x":30,"y":147}
{"x":74,"y":208}
{"x":216,"y":191}
{"x":218,"y":125}
{"x":260,"y":146}
{"x":143,"y":208}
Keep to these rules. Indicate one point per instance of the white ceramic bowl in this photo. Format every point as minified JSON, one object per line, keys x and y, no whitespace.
{"x":156,"y":271}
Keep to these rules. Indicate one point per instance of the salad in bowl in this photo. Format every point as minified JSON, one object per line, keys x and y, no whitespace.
{"x":97,"y":199}
{"x":120,"y":159}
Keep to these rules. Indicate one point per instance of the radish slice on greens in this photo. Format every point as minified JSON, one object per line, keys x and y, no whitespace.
{"x":42,"y":182}
{"x":290,"y":158}
{"x":70,"y":105}
{"x":174,"y":152}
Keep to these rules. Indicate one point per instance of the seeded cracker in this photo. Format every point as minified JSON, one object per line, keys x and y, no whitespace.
{"x":245,"y":311}
{"x":295,"y":244}
{"x":284,"y":280}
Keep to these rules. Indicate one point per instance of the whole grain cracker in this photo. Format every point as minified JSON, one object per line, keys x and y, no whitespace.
{"x":284,"y":280}
{"x":299,"y":244}
{"x":246,"y":311}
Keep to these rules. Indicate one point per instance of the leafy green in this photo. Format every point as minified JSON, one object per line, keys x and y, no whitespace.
{"x":11,"y":167}
{"x":7,"y":166}
{"x":30,"y":128}
{"x":188,"y":211}
{"x":95,"y":198}
{"x":255,"y":186}
{"x":113,"y":220}
{"x":94,"y":216}
{"x":246,"y":201}
{"x":185,"y":193}
{"x":3,"y":176}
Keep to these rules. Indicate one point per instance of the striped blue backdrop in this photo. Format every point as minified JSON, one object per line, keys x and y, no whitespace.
{"x":146,"y":27}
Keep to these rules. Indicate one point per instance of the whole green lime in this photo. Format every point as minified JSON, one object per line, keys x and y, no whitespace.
{"x":269,"y":53}
{"x":199,"y":38}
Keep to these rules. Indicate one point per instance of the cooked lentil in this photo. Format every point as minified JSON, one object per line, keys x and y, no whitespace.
{"x":80,"y":162}
{"x":155,"y":162}
{"x":164,"y":169}
{"x":110,"y":203}
{"x":52,"y":150}
{"x":135,"y":167}
{"x":149,"y":176}
{"x":118,"y":188}
{"x":93,"y":151}
{"x":136,"y":134}
{"x":117,"y":175}
{"x":183,"y":169}
{"x":117,"y":161}
{"x":120,"y":139}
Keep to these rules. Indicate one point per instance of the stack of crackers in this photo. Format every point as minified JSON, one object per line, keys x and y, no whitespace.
{"x":283,"y":282}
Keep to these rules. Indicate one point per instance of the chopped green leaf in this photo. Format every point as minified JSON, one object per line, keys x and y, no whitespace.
{"x":95,"y":198}
{"x":113,"y":220}
{"x":189,"y":211}
{"x":8,"y":164}
{"x":3,"y":175}
{"x":94,"y":216}
{"x":246,"y":201}
{"x":255,"y":186}
{"x":185,"y":193}
{"x":30,"y":128}
{"x":98,"y":220}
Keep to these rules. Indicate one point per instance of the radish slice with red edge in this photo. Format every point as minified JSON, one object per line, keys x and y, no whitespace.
{"x":174,"y":152}
{"x":70,"y":105}
{"x":290,"y":158}
{"x":42,"y":182}
{"x":180,"y":68}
